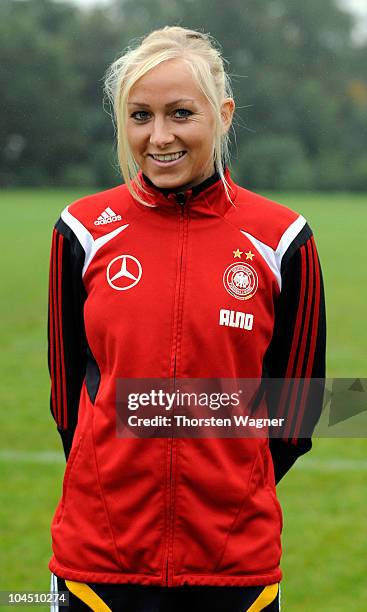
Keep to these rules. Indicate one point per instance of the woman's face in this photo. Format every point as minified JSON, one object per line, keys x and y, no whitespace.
{"x":169,"y":115}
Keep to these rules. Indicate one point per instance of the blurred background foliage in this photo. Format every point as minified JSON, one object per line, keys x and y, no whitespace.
{"x":299,"y":80}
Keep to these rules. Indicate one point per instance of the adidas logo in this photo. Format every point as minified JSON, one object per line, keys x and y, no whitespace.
{"x":108,"y":216}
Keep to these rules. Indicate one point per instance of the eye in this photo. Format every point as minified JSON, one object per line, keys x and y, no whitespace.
{"x":138,"y":117}
{"x":183,"y":110}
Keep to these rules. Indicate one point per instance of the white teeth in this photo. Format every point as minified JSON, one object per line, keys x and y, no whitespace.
{"x":168,"y":157}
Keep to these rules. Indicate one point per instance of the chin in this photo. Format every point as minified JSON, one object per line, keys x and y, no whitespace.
{"x":169,"y":182}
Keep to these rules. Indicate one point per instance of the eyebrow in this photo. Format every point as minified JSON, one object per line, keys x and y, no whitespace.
{"x":166,"y":105}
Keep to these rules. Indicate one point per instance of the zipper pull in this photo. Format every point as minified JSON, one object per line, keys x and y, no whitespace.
{"x":180,"y":197}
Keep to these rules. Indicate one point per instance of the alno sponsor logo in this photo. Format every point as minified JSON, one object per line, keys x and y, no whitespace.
{"x":233,"y":318}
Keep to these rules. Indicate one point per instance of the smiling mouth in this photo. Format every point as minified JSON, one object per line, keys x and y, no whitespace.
{"x":167,"y":157}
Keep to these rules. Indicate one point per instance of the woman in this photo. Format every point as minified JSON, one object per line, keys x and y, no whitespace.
{"x":179,"y":273}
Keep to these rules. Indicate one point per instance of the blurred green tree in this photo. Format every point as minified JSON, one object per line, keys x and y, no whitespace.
{"x":299,"y":83}
{"x":40,"y":93}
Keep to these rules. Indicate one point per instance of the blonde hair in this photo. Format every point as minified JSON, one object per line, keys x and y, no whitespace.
{"x":200,"y":53}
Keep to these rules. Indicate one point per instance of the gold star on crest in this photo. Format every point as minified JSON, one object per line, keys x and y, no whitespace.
{"x":237,"y":253}
{"x":250,"y":255}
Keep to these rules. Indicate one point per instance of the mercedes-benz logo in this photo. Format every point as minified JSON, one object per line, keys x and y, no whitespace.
{"x":124,"y":272}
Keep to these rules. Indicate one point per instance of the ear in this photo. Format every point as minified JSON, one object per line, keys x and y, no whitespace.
{"x":226,"y":113}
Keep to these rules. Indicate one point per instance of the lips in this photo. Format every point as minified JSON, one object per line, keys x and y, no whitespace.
{"x":167,"y":157}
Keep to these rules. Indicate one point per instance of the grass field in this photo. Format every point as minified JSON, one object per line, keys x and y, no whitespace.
{"x":324,"y":497}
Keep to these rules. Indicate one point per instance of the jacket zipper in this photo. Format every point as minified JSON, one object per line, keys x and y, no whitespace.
{"x":180,"y":198}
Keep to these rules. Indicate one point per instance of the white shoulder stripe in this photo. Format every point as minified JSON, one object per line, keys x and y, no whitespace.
{"x":268,"y":254}
{"x":97,"y":244}
{"x":274,"y":258}
{"x":289,"y":235}
{"x":85,"y":238}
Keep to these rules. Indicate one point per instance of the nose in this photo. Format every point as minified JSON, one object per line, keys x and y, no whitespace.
{"x":160,"y":135}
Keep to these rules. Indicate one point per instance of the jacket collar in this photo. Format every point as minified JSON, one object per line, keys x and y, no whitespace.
{"x":208,"y":194}
{"x":195,"y":190}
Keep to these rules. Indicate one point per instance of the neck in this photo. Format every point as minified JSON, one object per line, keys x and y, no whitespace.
{"x":195,"y":189}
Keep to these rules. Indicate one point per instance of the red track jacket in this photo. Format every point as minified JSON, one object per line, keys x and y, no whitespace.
{"x":140,"y":291}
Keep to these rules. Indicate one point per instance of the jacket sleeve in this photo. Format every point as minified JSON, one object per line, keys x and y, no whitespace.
{"x":67,"y":347}
{"x":297,"y":350}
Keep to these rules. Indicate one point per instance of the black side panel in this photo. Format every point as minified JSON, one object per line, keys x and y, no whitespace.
{"x":93,"y":376}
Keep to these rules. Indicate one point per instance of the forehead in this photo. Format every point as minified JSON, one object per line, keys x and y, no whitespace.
{"x":170,"y":80}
